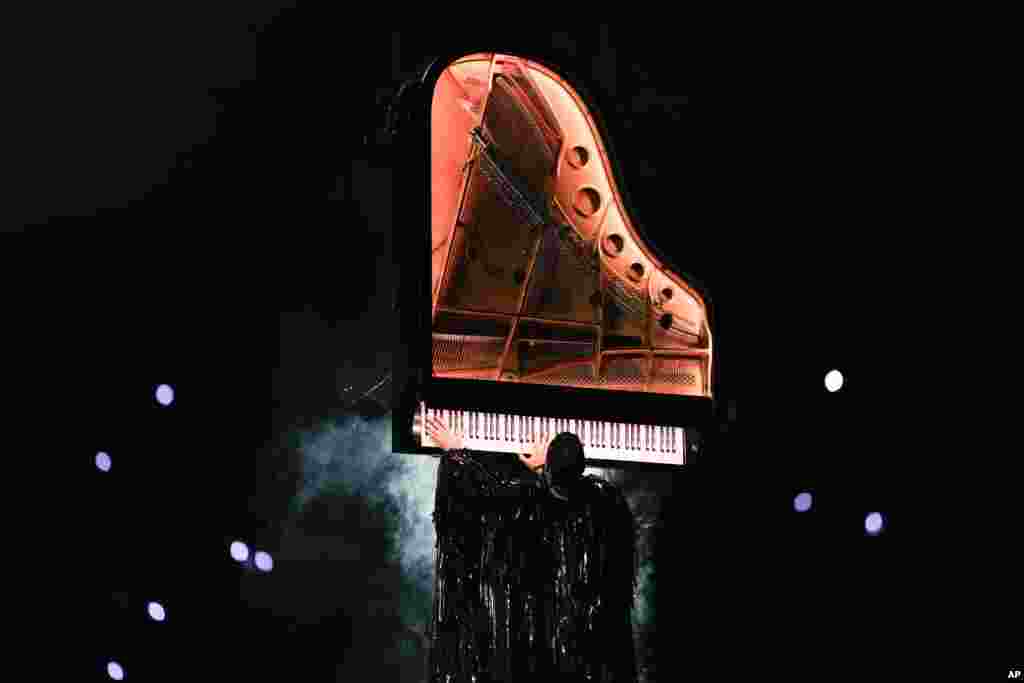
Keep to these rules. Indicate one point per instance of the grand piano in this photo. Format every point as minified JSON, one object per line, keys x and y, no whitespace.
{"x":530,"y":301}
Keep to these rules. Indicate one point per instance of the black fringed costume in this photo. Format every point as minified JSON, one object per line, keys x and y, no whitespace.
{"x":527,"y":582}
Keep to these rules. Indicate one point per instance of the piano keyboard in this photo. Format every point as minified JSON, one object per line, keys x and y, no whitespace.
{"x":601,"y":440}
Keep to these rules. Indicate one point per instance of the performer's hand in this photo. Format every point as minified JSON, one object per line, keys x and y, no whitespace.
{"x":538,"y":454}
{"x":445,"y":438}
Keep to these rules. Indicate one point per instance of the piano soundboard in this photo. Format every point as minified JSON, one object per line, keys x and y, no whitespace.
{"x":534,"y":292}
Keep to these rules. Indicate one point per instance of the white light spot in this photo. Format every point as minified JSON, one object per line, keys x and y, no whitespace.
{"x":115,"y":671}
{"x":103,"y":461}
{"x":156,"y":611}
{"x":239,"y":551}
{"x":802,"y":502}
{"x":264,"y":561}
{"x":873,"y":523}
{"x":164,"y":395}
{"x":834,"y":380}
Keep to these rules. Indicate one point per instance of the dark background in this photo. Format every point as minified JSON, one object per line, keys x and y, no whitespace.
{"x":191,"y":182}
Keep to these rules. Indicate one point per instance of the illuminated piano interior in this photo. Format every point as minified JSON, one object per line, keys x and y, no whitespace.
{"x":537,"y":275}
{"x":583,"y":304}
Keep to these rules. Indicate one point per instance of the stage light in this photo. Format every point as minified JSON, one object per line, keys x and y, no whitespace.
{"x":103,"y":461}
{"x":164,"y":395}
{"x":802,"y":502}
{"x":834,"y":381}
{"x":239,"y":551}
{"x":264,"y":561}
{"x":115,"y":671}
{"x":156,"y":611}
{"x":873,"y":523}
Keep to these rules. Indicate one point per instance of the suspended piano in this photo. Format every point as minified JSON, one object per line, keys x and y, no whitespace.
{"x":529,"y":299}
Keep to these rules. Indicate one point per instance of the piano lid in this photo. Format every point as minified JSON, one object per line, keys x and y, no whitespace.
{"x":538,"y":279}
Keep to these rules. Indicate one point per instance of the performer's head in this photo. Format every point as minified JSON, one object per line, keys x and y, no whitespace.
{"x":565,"y":463}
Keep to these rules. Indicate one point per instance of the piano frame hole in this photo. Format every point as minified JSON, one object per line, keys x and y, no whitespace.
{"x":587,"y":202}
{"x":665,"y":321}
{"x":636,"y":272}
{"x":578,"y":157}
{"x":614,"y":244}
{"x":666,"y":294}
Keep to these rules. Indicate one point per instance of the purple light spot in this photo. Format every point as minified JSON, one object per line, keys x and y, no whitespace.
{"x":103,"y":461}
{"x":164,"y":395}
{"x":156,"y":611}
{"x":264,"y":561}
{"x":802,"y":502}
{"x":239,"y":551}
{"x":115,"y":671}
{"x":873,"y":523}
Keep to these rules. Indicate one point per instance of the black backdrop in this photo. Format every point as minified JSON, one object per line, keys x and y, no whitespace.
{"x":194,"y":181}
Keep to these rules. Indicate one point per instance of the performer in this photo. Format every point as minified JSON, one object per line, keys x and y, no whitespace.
{"x":535,"y":574}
